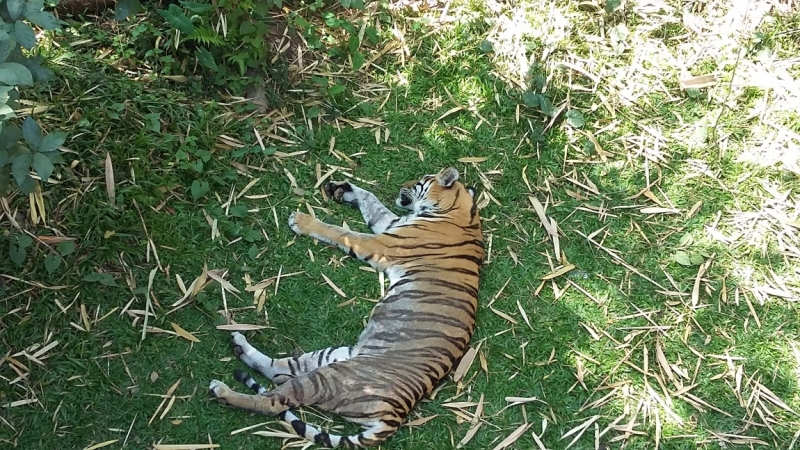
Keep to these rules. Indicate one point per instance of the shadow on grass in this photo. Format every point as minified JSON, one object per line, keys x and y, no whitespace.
{"x":102,"y":380}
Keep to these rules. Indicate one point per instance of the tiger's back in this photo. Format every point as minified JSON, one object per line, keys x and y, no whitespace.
{"x":417,"y":331}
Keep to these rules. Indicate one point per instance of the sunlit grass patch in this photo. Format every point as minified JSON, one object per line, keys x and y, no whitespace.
{"x":636,"y":163}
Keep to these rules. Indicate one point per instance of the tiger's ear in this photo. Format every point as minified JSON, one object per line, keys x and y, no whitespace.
{"x":447,"y":177}
{"x":472,"y":191}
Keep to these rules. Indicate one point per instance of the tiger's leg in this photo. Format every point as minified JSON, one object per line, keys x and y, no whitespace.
{"x":366,"y":247}
{"x":283,"y":369}
{"x":263,"y":402}
{"x":319,"y":386}
{"x":377,"y":216}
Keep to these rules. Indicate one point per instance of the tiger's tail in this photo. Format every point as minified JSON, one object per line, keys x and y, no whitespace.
{"x":378,"y":432}
{"x":374,"y":435}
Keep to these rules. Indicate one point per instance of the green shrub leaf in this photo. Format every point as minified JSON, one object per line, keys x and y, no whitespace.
{"x":530,"y":99}
{"x":12,"y":73}
{"x":32,"y":132}
{"x":34,"y":5}
{"x":17,"y":254}
{"x":358,"y":60}
{"x":197,"y":8}
{"x":199,"y":188}
{"x":336,"y":89}
{"x":27,"y":186}
{"x":44,"y":19}
{"x":127,"y":8}
{"x":15,"y":8}
{"x":103,"y":278}
{"x":66,"y":247}
{"x":153,"y":121}
{"x":54,"y":157}
{"x":9,"y":135}
{"x":575,"y":118}
{"x":24,"y":34}
{"x":355,"y":4}
{"x":246,"y":28}
{"x":175,"y":17}
{"x":42,"y":165}
{"x":40,"y":72}
{"x":6,"y":112}
{"x":5,"y":180}
{"x":239,"y":211}
{"x":206,"y":59}
{"x":6,"y":45}
{"x":696,"y":258}
{"x":682,"y":258}
{"x":51,"y":263}
{"x":253,"y":251}
{"x":612,"y":5}
{"x":52,"y":141}
{"x":546,"y":106}
{"x":3,"y":158}
{"x":20,"y":168}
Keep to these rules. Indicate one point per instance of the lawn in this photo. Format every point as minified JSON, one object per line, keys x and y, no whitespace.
{"x":637,"y":170}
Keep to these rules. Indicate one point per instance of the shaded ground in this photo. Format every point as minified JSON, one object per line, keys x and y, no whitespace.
{"x":677,"y":208}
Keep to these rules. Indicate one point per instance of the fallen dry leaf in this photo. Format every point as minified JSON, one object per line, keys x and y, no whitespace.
{"x":183,"y":333}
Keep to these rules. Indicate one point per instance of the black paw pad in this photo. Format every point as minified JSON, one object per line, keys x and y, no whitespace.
{"x":336,"y":190}
{"x":237,"y":350}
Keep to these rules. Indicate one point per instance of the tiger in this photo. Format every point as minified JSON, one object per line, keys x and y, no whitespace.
{"x":416,"y":332}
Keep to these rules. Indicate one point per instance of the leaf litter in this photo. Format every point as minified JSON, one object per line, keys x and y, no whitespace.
{"x":775,"y":222}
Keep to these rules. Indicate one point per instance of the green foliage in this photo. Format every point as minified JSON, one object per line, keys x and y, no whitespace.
{"x":18,"y":250}
{"x":575,"y":118}
{"x":612,"y":5}
{"x":27,"y":148}
{"x":229,"y":40}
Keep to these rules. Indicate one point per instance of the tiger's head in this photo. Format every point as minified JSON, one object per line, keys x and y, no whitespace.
{"x":436,"y":193}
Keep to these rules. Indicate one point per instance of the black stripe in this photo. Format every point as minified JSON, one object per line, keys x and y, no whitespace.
{"x":299,"y":427}
{"x":240,"y":375}
{"x":437,"y":246}
{"x":393,"y":336}
{"x":462,"y":305}
{"x":321,"y":357}
{"x":478,"y":261}
{"x":460,"y":287}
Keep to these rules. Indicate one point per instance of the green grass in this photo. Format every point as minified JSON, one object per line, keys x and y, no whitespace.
{"x":98,"y":384}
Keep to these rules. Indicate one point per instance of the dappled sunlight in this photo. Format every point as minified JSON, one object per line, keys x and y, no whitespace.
{"x":525,"y":35}
{"x":635,"y":164}
{"x":772,"y":227}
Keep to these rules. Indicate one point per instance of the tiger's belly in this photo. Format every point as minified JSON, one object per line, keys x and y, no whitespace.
{"x":403,"y":330}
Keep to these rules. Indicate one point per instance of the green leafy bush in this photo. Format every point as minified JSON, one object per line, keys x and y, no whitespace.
{"x":229,"y":39}
{"x":26,"y":147}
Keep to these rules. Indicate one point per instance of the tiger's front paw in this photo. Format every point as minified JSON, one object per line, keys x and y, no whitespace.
{"x":300,"y":222}
{"x":217,"y":388}
{"x":341,"y":192}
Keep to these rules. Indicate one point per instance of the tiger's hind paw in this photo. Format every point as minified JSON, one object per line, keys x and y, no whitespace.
{"x":239,"y":344}
{"x":300,"y":222}
{"x":341,"y":192}
{"x":216,"y":388}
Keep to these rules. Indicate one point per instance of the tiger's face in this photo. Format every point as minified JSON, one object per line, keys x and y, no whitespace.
{"x":435,"y":192}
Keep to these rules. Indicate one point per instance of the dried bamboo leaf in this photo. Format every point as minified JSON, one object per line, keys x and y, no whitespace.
{"x":464,"y":364}
{"x":511,"y":438}
{"x":183,"y":333}
{"x":334,"y":286}
{"x":110,"y":184}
